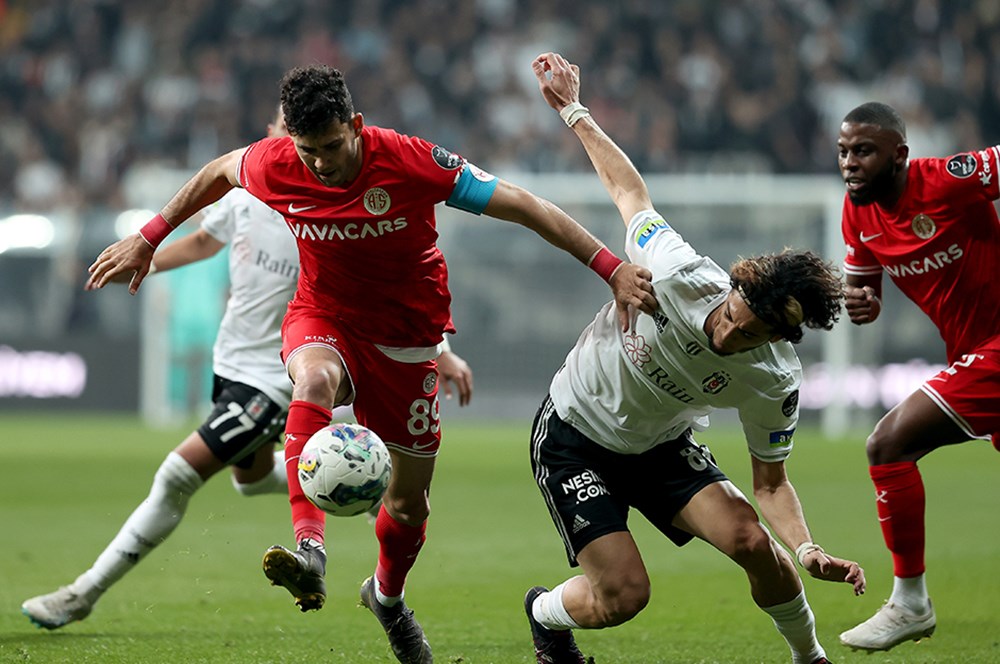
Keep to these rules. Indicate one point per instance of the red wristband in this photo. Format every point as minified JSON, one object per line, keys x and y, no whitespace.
{"x":604,"y":263}
{"x":155,"y":231}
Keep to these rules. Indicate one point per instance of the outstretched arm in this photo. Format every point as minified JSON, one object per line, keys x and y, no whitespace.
{"x":559,"y":82}
{"x":779,"y":505}
{"x":630,"y":283}
{"x":133,"y":254}
{"x":189,"y":249}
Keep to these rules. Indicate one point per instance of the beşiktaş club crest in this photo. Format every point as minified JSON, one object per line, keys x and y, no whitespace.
{"x":377,"y":201}
{"x":715,"y":383}
{"x":923,"y":226}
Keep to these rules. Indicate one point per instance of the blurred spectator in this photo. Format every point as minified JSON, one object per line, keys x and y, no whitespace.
{"x":91,"y":89}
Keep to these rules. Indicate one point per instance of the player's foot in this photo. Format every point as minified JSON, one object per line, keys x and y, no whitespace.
{"x":405,"y":634}
{"x":57,"y":609}
{"x":551,"y":646}
{"x":889,"y":627}
{"x":822,"y":660}
{"x":300,"y":573}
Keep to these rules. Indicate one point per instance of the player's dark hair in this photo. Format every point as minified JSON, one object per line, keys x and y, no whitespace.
{"x":790,"y":290}
{"x":878,"y":114}
{"x":312,"y":98}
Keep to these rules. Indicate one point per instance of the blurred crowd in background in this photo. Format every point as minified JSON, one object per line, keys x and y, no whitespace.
{"x":91,"y":90}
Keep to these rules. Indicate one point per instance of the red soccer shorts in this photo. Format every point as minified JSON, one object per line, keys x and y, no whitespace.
{"x":969,"y":390}
{"x":396,"y":400}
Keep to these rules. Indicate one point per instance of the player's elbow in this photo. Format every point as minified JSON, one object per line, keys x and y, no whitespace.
{"x":632,"y":201}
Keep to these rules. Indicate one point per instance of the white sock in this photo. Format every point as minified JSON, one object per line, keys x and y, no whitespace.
{"x":386,"y":600}
{"x":150,"y":524}
{"x":548,"y":610}
{"x":794,"y":621}
{"x":275,"y":481}
{"x":911,"y":594}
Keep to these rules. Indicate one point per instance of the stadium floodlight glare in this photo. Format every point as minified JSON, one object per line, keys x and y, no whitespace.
{"x":26,"y":231}
{"x":130,"y":221}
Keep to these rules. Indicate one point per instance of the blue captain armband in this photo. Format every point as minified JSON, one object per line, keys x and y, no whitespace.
{"x":473,"y":190}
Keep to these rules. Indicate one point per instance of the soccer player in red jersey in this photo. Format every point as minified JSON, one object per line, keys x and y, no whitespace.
{"x":931,"y":225}
{"x":372,"y":304}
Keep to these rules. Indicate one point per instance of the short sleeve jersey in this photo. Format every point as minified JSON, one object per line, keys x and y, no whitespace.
{"x":939,"y":244}
{"x":368,"y":250}
{"x":632,"y":391}
{"x":263,"y":270}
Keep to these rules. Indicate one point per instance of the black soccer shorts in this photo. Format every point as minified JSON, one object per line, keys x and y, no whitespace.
{"x":589,"y":488}
{"x":243,"y":418}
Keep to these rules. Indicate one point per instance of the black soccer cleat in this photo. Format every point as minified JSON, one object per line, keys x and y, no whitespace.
{"x":301,"y":573}
{"x":405,"y":634}
{"x":552,"y":646}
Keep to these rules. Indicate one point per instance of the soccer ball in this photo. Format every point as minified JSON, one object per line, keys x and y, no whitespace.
{"x":344,"y":469}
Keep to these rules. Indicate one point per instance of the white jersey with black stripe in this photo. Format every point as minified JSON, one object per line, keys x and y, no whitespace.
{"x":263,"y":272}
{"x":632,"y":391}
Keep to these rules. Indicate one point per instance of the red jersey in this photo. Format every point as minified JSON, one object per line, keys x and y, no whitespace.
{"x":367,"y":251}
{"x":939,"y":243}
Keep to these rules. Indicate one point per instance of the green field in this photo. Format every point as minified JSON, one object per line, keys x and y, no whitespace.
{"x":67,"y":483}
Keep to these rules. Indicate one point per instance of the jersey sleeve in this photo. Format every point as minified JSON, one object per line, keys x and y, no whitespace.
{"x":650,"y":240}
{"x":769,"y":423}
{"x":219,"y":219}
{"x":433,"y":171}
{"x":859,"y":261}
{"x":970,"y":176}
{"x":250,"y":171}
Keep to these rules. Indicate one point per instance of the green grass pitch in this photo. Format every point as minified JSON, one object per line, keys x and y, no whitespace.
{"x":67,"y":483}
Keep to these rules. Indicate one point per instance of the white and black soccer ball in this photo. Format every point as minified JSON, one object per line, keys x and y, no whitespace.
{"x":344,"y":469}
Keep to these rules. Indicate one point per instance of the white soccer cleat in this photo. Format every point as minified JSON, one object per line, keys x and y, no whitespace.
{"x":57,"y":608}
{"x":889,"y":627}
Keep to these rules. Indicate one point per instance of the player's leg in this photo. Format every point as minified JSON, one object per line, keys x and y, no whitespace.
{"x":721,"y":515}
{"x":398,"y":400}
{"x":569,"y":470}
{"x":400,"y":528}
{"x":242,"y":419}
{"x":320,"y":382}
{"x":265,"y":475}
{"x":908,"y":432}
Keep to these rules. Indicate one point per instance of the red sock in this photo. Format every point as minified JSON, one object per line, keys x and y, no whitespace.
{"x":899,"y":497}
{"x":398,"y":548}
{"x":304,"y":419}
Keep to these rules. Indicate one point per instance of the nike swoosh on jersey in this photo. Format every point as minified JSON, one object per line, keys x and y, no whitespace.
{"x":864,"y":238}
{"x":295,"y":210}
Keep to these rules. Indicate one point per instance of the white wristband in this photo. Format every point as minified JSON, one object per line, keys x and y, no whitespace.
{"x":804,"y":548}
{"x":573,"y":112}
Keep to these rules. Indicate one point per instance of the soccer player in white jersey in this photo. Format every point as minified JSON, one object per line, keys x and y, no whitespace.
{"x":615,"y":431}
{"x":250,"y":394}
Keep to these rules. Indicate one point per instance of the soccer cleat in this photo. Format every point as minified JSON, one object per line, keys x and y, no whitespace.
{"x":889,"y":627}
{"x":57,"y":609}
{"x":300,"y":573}
{"x":405,"y":634}
{"x":551,"y":646}
{"x":822,"y":660}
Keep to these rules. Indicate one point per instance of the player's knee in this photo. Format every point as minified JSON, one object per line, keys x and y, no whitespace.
{"x":880,"y":445}
{"x":751,"y":546}
{"x":623,"y":601}
{"x":176,"y":476}
{"x":317,"y":383}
